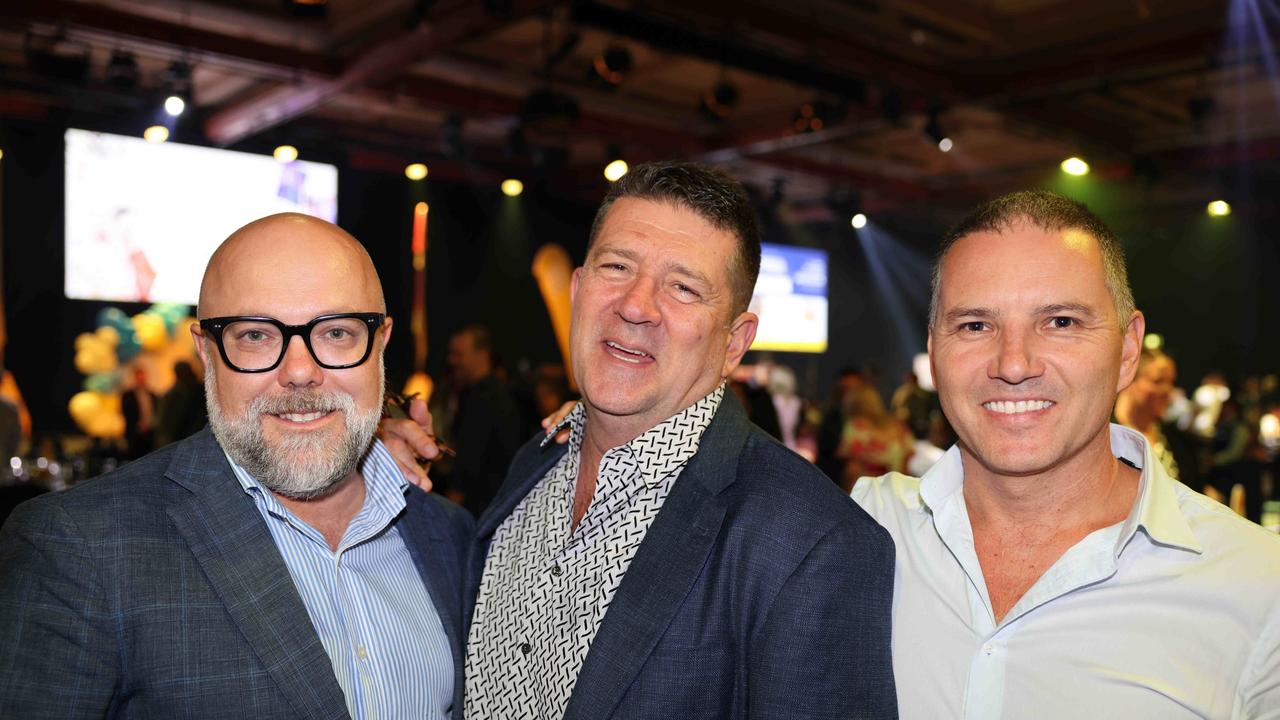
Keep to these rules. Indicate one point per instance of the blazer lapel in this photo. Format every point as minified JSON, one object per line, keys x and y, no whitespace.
{"x":530,"y":464}
{"x":664,"y":568}
{"x":239,"y":558}
{"x":426,"y":536}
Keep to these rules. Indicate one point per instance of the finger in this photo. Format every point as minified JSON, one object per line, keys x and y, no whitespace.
{"x":407,"y":460}
{"x":554,"y":418}
{"x":412,"y":434}
{"x":419,"y":413}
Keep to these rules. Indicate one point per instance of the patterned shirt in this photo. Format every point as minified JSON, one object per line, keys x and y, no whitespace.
{"x":367,"y":601}
{"x":546,"y":587}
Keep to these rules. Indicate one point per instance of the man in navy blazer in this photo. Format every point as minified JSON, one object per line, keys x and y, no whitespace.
{"x":275,"y":566}
{"x":672,"y":561}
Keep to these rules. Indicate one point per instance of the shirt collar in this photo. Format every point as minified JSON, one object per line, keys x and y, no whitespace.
{"x":385,"y":485}
{"x":655,"y":455}
{"x":1156,"y":511}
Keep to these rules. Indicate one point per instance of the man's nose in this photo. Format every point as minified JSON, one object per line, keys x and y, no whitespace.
{"x":297,"y":367}
{"x":1016,"y":358}
{"x":639,"y":304}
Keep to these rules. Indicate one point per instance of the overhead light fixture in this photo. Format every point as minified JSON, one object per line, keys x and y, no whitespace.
{"x":122,"y":70}
{"x":720,"y":100}
{"x":859,"y":221}
{"x":1075,"y":166}
{"x":156,"y":134}
{"x":285,"y":154}
{"x":1218,"y":208}
{"x":612,"y":65}
{"x":177,"y":83}
{"x":933,"y":128}
{"x":512,"y":187}
{"x":174,"y":105}
{"x":614,"y":171}
{"x":415,"y":171}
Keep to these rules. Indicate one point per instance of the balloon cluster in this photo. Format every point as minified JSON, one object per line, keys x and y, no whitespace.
{"x":118,"y":343}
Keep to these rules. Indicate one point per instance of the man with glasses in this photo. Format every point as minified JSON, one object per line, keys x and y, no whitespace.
{"x":275,"y":565}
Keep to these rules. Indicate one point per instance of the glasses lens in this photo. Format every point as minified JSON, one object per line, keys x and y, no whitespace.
{"x":340,"y":341}
{"x":251,"y":345}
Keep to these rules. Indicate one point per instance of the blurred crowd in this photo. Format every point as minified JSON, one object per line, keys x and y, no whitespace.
{"x":1219,"y":439}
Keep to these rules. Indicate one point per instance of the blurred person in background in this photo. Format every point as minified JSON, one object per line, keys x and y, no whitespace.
{"x":873,"y":442}
{"x":911,"y":404}
{"x":138,"y":405}
{"x":487,"y":427}
{"x":1143,"y":405}
{"x":831,"y":426}
{"x":181,"y":410}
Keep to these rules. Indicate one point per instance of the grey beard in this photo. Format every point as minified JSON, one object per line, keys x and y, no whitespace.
{"x":302,"y":466}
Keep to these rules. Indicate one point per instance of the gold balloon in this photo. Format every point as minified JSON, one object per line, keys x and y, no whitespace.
{"x":151,"y":331}
{"x":108,"y":335}
{"x":93,"y":358}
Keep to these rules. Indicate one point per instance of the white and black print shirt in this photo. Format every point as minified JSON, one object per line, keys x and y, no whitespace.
{"x":546,"y":588}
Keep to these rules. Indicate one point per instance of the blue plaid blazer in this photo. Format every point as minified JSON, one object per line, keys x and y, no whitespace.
{"x":760,"y":591}
{"x":156,"y":591}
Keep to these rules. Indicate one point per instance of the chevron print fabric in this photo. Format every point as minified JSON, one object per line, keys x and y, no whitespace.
{"x":546,"y":589}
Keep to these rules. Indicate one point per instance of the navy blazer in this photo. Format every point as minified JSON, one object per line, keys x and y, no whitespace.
{"x":157,"y":591}
{"x":760,"y":591}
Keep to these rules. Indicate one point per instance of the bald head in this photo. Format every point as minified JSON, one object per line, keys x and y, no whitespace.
{"x":276,"y":264}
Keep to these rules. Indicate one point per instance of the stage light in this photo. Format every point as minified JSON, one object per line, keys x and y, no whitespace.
{"x":614,"y":171}
{"x":512,"y":187}
{"x":285,"y":154}
{"x":1219,"y":208}
{"x":945,"y":144}
{"x":421,"y":208}
{"x":1,"y":154}
{"x":718,"y":102}
{"x":174,"y":105}
{"x":612,"y":65}
{"x":1153,"y":341}
{"x":156,"y":134}
{"x":859,"y":221}
{"x":416,"y":171}
{"x":122,"y":70}
{"x":1075,"y":166}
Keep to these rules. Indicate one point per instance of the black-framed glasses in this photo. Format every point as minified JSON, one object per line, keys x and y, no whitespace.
{"x":257,"y":344}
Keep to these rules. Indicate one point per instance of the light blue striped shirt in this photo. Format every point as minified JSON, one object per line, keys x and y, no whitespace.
{"x":367,"y":601}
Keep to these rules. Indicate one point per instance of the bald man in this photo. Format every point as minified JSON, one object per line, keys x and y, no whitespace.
{"x":274,"y":565}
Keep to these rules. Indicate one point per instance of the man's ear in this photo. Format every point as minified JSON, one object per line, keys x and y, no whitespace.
{"x":1131,"y":349}
{"x":742,"y":332}
{"x":386,"y":332}
{"x":198,"y":338}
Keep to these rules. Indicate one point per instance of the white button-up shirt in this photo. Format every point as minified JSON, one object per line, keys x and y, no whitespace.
{"x":1173,"y":613}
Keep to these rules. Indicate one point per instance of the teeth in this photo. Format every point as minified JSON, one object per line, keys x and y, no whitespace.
{"x":1010,"y":407}
{"x":302,"y":417}
{"x":628,"y":351}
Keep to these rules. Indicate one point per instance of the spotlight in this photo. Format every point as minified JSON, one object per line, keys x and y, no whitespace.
{"x":122,"y":70}
{"x":945,"y":144}
{"x":416,"y":171}
{"x":933,"y":128}
{"x":177,"y":83}
{"x":1219,"y":208}
{"x":512,"y":187}
{"x":1075,"y":166}
{"x":285,"y":154}
{"x":720,"y":100}
{"x":614,"y":171}
{"x":156,"y":134}
{"x":174,"y":105}
{"x":859,"y":221}
{"x":612,"y":65}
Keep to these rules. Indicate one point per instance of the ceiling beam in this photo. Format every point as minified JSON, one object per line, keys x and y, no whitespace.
{"x":446,"y":28}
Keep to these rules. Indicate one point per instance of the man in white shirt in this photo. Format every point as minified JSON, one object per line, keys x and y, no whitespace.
{"x":1047,"y":566}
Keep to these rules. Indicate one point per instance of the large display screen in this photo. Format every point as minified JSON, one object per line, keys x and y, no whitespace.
{"x":791,"y":299}
{"x":142,"y":219}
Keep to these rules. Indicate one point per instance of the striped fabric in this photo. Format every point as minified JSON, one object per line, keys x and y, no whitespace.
{"x":367,"y":601}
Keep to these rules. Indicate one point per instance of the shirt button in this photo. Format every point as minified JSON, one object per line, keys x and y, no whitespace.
{"x":988,"y":648}
{"x":556,"y":570}
{"x":526,"y":648}
{"x":362,"y":653}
